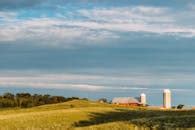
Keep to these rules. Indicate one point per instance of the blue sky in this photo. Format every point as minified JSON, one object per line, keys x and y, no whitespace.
{"x":98,"y":48}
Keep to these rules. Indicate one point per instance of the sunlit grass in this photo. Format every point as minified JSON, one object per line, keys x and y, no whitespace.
{"x":88,"y":115}
{"x":53,"y":116}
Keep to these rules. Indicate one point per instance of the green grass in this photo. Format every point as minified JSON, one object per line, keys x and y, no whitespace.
{"x":88,"y":115}
{"x":54,"y":116}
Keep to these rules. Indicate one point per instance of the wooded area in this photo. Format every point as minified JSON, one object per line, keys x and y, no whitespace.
{"x":26,"y":100}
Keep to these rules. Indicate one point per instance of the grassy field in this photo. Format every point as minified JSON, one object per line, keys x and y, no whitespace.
{"x":85,"y":115}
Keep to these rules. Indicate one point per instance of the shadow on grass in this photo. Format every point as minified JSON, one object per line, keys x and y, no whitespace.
{"x":113,"y":116}
{"x":147,"y":118}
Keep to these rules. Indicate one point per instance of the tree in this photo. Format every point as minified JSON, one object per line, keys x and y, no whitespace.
{"x":25,"y":103}
{"x":180,"y":106}
{"x":9,"y":96}
{"x":102,"y":100}
{"x":7,"y":103}
{"x":23,"y":95}
{"x":26,"y":100}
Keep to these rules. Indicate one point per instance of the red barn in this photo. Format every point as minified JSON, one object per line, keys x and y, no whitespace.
{"x":127,"y":101}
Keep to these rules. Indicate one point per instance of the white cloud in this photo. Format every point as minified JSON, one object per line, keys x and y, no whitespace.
{"x":7,"y":16}
{"x":60,"y":81}
{"x":50,"y":31}
{"x":138,"y":14}
{"x":147,"y":10}
{"x":83,"y":87}
{"x":95,"y":25}
{"x":95,"y":82}
{"x":136,"y":19}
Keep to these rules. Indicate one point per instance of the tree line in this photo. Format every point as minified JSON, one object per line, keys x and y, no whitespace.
{"x":26,"y":100}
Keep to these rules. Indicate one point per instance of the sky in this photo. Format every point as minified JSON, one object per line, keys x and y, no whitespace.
{"x":99,"y":48}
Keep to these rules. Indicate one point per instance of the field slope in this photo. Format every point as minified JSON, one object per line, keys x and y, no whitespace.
{"x":81,"y":114}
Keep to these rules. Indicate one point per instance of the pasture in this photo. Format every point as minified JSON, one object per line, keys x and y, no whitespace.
{"x":89,"y":115}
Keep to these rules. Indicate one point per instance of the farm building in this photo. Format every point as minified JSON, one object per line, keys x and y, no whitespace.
{"x":127,"y":101}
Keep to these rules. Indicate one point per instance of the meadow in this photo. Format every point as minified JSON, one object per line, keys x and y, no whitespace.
{"x":90,"y":115}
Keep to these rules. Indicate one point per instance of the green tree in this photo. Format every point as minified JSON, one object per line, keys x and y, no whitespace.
{"x":9,"y":96}
{"x":180,"y":106}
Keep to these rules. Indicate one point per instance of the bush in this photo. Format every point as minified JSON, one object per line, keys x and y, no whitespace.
{"x":7,"y":103}
{"x":180,"y":106}
{"x":104,"y":100}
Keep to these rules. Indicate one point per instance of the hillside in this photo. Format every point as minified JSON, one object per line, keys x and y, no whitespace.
{"x":81,"y":114}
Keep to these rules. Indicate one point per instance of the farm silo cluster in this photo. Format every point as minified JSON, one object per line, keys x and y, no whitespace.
{"x":142,"y":100}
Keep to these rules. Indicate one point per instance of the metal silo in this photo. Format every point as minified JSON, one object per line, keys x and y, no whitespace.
{"x":167,"y":99}
{"x":143,"y":99}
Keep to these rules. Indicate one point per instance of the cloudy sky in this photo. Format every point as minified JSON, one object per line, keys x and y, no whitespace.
{"x":98,"y":48}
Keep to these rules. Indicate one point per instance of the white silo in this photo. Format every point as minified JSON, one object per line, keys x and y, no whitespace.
{"x":143,"y":99}
{"x":167,"y":99}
